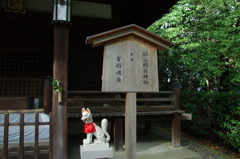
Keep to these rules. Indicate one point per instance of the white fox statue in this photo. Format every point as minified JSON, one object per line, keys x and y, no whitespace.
{"x":90,"y":128}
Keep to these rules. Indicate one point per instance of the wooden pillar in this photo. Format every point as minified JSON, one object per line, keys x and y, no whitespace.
{"x":176,"y":131}
{"x":60,"y":72}
{"x":118,"y":134}
{"x":176,"y":123}
{"x":47,"y":95}
{"x":130,"y":126}
{"x":176,"y":91}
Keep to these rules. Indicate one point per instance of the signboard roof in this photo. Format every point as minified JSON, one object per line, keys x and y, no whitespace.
{"x":101,"y":38}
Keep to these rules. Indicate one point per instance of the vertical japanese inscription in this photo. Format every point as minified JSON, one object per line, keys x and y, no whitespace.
{"x":145,"y":67}
{"x":120,"y":69}
{"x":129,"y":67}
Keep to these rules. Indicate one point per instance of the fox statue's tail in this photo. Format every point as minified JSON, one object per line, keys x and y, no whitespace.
{"x":104,"y":125}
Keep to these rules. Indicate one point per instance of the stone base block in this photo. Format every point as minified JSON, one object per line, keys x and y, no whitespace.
{"x":96,"y":146}
{"x":94,"y":154}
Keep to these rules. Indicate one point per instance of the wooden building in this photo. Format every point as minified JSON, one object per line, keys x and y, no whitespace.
{"x":29,"y":45}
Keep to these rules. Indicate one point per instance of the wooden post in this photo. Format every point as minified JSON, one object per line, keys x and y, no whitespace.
{"x":118,"y":134}
{"x":36,"y":148}
{"x":176,"y":123}
{"x":50,"y":136}
{"x":6,"y":130}
{"x":130,"y":126}
{"x":176,"y":91}
{"x":60,"y":72}
{"x":21,"y":136}
{"x":176,"y":131}
{"x":47,"y":95}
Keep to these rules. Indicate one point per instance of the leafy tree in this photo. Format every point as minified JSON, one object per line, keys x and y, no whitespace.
{"x":207,"y":44}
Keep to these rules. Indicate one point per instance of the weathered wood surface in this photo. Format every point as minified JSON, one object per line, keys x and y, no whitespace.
{"x":176,"y":131}
{"x":100,"y":92}
{"x":60,"y":72}
{"x":48,"y":90}
{"x":139,"y":114}
{"x":22,"y":111}
{"x":186,"y":116}
{"x":11,"y":103}
{"x":6,"y":130}
{"x":157,"y":41}
{"x":121,"y":109}
{"x":130,"y":126}
{"x":118,"y":134}
{"x":117,"y":102}
{"x":72,"y":100}
{"x":129,"y":65}
{"x":21,"y":142}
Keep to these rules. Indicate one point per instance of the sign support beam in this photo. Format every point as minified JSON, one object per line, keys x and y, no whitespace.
{"x":130,"y":126}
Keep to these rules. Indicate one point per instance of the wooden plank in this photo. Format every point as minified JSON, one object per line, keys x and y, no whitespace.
{"x":50,"y":137}
{"x":16,"y":103}
{"x":186,"y":116}
{"x":121,"y":109}
{"x":155,"y":99}
{"x":100,"y":92}
{"x":6,"y":129}
{"x":36,"y":151}
{"x":160,"y":43}
{"x":127,"y":66}
{"x":130,"y":126}
{"x":47,"y":103}
{"x":118,"y":134}
{"x":28,"y":123}
{"x":72,"y":100}
{"x":21,"y":138}
{"x":30,"y":152}
{"x":176,"y":90}
{"x":22,"y":110}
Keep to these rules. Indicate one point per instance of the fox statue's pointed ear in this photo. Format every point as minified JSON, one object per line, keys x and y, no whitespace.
{"x":88,"y":110}
{"x":83,"y":110}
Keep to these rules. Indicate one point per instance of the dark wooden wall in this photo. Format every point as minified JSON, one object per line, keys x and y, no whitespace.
{"x":26,"y":53}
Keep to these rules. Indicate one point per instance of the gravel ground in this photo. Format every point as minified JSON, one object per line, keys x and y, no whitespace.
{"x":204,"y":152}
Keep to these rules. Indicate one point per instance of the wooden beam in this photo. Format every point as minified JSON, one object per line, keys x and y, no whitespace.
{"x":130,"y":126}
{"x":176,"y":90}
{"x":186,"y":116}
{"x":47,"y":96}
{"x":60,"y":72}
{"x":118,"y":134}
{"x":21,"y":138}
{"x":6,"y":130}
{"x":176,"y":131}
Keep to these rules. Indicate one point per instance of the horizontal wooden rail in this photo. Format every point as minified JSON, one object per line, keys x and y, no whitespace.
{"x":76,"y":104}
{"x":22,"y":111}
{"x":117,"y":99}
{"x":100,"y":92}
{"x":120,"y":114}
{"x":121,"y":109}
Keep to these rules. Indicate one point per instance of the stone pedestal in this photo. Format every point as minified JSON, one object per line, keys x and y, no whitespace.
{"x":97,"y":153}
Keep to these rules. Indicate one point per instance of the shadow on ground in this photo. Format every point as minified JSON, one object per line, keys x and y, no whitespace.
{"x":149,"y":146}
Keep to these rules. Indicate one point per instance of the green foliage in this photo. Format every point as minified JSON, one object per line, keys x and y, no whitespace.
{"x":213,"y":113}
{"x":56,"y":85}
{"x":207,"y":43}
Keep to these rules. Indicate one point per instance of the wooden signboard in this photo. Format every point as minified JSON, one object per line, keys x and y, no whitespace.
{"x":130,"y":65}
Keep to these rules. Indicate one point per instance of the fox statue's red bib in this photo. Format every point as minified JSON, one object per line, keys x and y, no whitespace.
{"x":90,"y":128}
